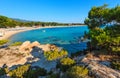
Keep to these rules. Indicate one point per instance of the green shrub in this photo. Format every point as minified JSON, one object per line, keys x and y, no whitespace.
{"x":77,"y":53}
{"x":25,"y":71}
{"x":2,"y":71}
{"x":16,"y":44}
{"x":77,"y":72}
{"x":35,"y":73}
{"x":53,"y":55}
{"x":19,"y":71}
{"x":116,"y":65}
{"x":3,"y":42}
{"x":54,"y":76}
{"x":67,"y":61}
{"x":65,"y":64}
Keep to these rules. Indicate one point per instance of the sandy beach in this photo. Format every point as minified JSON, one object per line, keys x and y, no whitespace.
{"x":7,"y":33}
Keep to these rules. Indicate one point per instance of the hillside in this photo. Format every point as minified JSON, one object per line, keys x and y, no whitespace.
{"x":12,"y":22}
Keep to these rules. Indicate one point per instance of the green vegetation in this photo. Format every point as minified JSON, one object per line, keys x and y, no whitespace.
{"x":103,"y":38}
{"x":19,"y":71}
{"x":103,"y":16}
{"x":79,"y":53}
{"x":2,"y":71}
{"x":107,"y":38}
{"x":3,"y":42}
{"x":57,"y":75}
{"x":116,"y":65}
{"x":65,"y":64}
{"x":97,"y":17}
{"x":26,"y":71}
{"x":77,"y":72}
{"x":53,"y":55}
{"x":6,"y":22}
{"x":67,"y":61}
{"x":35,"y":73}
{"x":16,"y":43}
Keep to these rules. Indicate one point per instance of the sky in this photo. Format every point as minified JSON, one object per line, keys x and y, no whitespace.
{"x":64,"y":11}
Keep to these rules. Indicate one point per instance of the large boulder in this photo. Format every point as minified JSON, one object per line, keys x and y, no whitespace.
{"x":13,"y":56}
{"x":25,"y":46}
{"x":45,"y":47}
{"x":34,"y":44}
{"x":100,"y":71}
{"x":48,"y":47}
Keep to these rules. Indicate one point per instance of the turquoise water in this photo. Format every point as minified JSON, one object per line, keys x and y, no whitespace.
{"x":66,"y":37}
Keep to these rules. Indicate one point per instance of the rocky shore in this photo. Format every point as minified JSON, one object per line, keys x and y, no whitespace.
{"x":98,"y":70}
{"x":33,"y":53}
{"x":19,"y":55}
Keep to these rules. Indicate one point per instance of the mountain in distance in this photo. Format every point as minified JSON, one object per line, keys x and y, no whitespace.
{"x":21,"y":20}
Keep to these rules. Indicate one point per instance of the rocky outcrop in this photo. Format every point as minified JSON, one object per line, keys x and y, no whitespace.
{"x":25,"y":46}
{"x":33,"y":44}
{"x":15,"y":55}
{"x":45,"y":47}
{"x":100,"y":71}
{"x":12,"y":56}
{"x":48,"y":47}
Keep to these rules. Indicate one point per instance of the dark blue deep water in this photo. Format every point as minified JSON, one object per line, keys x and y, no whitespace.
{"x":66,"y":37}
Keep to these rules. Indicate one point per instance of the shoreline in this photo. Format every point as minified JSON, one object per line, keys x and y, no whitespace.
{"x":63,"y":26}
{"x":12,"y":31}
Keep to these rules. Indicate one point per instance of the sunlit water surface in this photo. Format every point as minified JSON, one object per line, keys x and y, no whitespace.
{"x":66,"y":37}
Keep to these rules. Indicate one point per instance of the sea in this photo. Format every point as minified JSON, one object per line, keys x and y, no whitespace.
{"x":68,"y":38}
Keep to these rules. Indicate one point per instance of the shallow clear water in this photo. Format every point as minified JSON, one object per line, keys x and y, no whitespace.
{"x":66,"y":37}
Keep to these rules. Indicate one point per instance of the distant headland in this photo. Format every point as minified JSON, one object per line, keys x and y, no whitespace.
{"x":7,"y":22}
